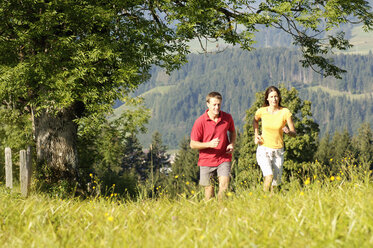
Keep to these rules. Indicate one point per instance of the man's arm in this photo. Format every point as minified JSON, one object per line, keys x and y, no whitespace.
{"x":232,"y":140}
{"x":203,"y":145}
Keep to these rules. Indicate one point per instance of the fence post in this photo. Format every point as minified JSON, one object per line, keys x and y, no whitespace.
{"x":24,"y":173}
{"x":29,"y":165}
{"x":8,"y":168}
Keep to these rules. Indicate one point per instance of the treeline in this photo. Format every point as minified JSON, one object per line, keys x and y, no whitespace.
{"x":176,"y":100}
{"x":339,"y":112}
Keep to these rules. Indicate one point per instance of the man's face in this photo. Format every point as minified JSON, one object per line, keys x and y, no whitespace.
{"x":214,"y":106}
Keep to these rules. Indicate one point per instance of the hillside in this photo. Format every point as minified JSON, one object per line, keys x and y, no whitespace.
{"x":268,"y":37}
{"x":177,"y":99}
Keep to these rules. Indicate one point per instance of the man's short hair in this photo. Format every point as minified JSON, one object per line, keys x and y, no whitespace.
{"x":213,"y":94}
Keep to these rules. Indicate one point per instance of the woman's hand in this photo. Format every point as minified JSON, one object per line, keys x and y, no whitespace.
{"x":286,"y":129}
{"x":258,"y":139}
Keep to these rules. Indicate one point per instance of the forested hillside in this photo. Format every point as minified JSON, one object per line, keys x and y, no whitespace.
{"x":176,"y":100}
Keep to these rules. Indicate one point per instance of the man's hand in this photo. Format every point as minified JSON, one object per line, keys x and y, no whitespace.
{"x":230,"y":148}
{"x":214,"y":143}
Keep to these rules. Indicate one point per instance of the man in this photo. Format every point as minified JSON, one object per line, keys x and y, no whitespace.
{"x":209,"y":136}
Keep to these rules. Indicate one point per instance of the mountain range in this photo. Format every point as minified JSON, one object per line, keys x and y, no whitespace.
{"x":176,"y":100}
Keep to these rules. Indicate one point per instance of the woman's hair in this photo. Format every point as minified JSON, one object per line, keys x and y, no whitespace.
{"x":213,"y":94}
{"x":269,"y":90}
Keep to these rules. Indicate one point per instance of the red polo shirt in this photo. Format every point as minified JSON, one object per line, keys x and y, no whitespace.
{"x":205,"y":130}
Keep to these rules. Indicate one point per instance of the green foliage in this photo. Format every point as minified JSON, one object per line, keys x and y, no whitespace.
{"x":158,"y":166}
{"x":363,"y":144}
{"x":16,"y":133}
{"x":157,"y":157}
{"x":343,"y":147}
{"x":110,"y":150}
{"x":323,"y":153}
{"x":303,"y":147}
{"x":184,"y":176}
{"x":55,"y":54}
{"x":134,"y":160}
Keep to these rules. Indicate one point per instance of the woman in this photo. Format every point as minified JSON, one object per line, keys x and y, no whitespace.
{"x":270,"y":151}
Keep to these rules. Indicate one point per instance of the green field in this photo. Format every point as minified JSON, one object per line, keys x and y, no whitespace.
{"x":336,"y":214}
{"x":337,"y":93}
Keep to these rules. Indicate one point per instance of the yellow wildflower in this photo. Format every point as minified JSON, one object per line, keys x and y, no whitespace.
{"x":332,"y":178}
{"x":307,"y":181}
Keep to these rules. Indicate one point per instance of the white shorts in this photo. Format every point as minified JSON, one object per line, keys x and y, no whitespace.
{"x":270,"y":161}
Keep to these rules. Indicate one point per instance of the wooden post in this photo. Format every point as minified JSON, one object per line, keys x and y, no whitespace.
{"x":25,"y":173}
{"x":8,"y":168}
{"x":29,"y":165}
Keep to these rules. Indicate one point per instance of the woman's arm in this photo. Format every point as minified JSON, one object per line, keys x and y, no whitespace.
{"x":291,"y":130}
{"x":257,"y":138}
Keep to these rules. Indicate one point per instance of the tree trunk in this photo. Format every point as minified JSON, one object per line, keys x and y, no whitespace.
{"x":56,"y":145}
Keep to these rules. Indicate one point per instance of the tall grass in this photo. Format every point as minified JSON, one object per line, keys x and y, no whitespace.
{"x":335,"y":214}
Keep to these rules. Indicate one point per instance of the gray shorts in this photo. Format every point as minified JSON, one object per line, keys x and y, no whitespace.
{"x":206,"y":172}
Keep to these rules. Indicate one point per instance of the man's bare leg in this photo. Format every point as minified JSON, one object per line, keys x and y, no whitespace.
{"x":209,"y":192}
{"x":223,"y":186}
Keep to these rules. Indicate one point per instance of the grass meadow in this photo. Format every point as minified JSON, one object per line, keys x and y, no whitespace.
{"x":332,"y":214}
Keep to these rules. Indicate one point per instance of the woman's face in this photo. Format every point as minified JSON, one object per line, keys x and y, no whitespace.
{"x":273,"y":99}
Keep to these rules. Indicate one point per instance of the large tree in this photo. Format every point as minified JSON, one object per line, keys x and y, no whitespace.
{"x":67,"y":61}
